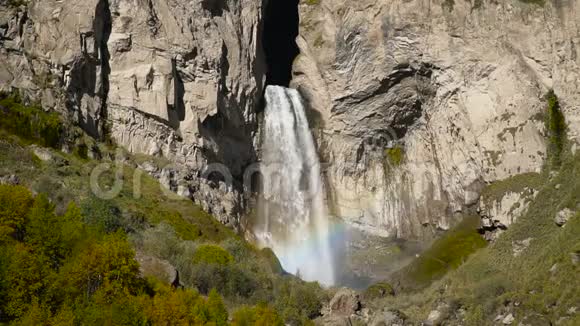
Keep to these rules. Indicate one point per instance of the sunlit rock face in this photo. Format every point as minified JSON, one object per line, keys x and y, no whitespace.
{"x":458,"y":89}
{"x":180,"y":80}
{"x":293,"y":219}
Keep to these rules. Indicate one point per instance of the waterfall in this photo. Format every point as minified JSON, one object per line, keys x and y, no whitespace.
{"x":293,"y":220}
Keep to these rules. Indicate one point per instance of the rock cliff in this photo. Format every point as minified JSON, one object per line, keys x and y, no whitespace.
{"x":419,"y":104}
{"x":176,"y":79}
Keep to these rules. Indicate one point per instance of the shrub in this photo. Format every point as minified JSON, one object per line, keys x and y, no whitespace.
{"x":232,"y":281}
{"x":82,"y":151}
{"x":556,"y":126}
{"x":205,"y":277}
{"x":241,"y":282}
{"x":312,"y":2}
{"x":448,"y":5}
{"x":102,"y":214}
{"x":212,"y":254}
{"x":475,"y":317}
{"x":72,"y":229}
{"x":169,"y":307}
{"x":378,"y":290}
{"x":395,"y":156}
{"x":162,"y":241}
{"x":30,"y":123}
{"x":109,"y":306}
{"x":216,"y":308}
{"x":535,"y":2}
{"x":16,"y":3}
{"x":260,"y":315}
{"x":297,"y":300}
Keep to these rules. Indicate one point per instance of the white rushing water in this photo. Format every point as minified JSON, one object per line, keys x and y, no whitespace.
{"x":293,"y":220}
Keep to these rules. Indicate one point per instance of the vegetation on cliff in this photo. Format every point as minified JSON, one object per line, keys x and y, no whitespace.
{"x":556,"y":127}
{"x":31,"y":123}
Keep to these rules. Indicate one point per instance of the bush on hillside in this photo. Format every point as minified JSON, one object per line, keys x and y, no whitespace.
{"x":30,"y":123}
{"x":212,"y":255}
{"x":260,"y":315}
{"x":103,"y":214}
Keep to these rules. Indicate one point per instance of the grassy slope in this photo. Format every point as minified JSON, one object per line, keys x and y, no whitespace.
{"x":66,"y":178}
{"x":445,"y":254}
{"x":494,"y":281}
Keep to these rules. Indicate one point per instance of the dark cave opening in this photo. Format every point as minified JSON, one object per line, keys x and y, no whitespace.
{"x":281,"y":23}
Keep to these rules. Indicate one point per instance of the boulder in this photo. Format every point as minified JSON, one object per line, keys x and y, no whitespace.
{"x":434,"y":318}
{"x":563,"y":216}
{"x":42,"y":153}
{"x":11,"y":179}
{"x":520,"y":245}
{"x":345,"y":302}
{"x":158,"y":268}
{"x":508,"y":320}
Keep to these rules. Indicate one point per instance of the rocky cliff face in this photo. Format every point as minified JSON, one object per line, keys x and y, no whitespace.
{"x":421,"y":103}
{"x":418,"y":104}
{"x":175,"y":79}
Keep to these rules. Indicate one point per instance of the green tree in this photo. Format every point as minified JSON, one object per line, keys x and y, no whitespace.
{"x":35,"y":315}
{"x":63,"y":317}
{"x":4,"y":262}
{"x":26,"y":276}
{"x":109,"y":262}
{"x":73,"y":230}
{"x":260,"y":315}
{"x":43,"y":231}
{"x":15,"y":202}
{"x":217,"y":310}
{"x":109,"y":306}
{"x":298,"y":300}
{"x":171,"y":307}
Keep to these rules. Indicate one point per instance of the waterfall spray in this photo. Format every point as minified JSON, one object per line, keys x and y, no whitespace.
{"x":293,"y":220}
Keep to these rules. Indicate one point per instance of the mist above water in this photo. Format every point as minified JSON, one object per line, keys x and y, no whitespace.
{"x":292,"y":217}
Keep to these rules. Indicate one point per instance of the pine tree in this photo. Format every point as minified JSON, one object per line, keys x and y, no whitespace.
{"x":43,"y":231}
